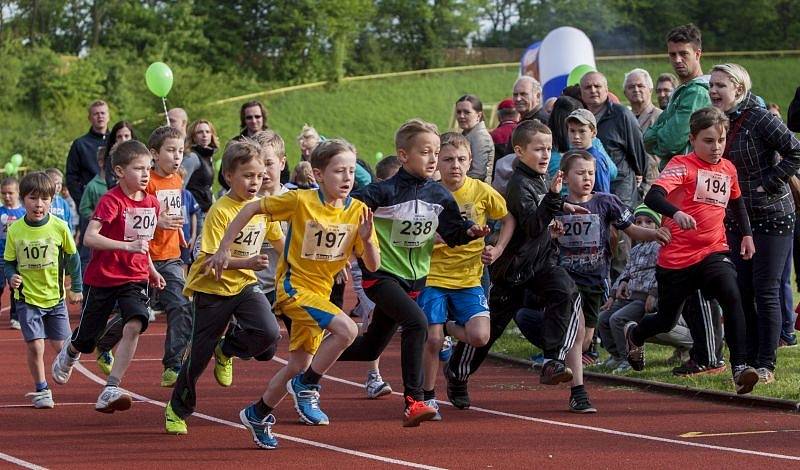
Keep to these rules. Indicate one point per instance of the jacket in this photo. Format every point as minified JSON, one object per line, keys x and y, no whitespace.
{"x":408,"y":212}
{"x":669,"y":136}
{"x":482,"y":147}
{"x":82,"y":162}
{"x":619,"y":131}
{"x":531,"y":249}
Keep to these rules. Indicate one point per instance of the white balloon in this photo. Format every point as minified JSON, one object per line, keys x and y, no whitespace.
{"x":562,"y":50}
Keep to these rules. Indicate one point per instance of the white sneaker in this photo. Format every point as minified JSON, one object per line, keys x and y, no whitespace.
{"x":43,"y":399}
{"x":62,"y":364}
{"x":113,"y":399}
{"x":15,"y":325}
{"x":433,"y":404}
{"x":375,"y":386}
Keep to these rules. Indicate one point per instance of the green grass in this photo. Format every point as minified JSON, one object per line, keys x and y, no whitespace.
{"x":787,"y":385}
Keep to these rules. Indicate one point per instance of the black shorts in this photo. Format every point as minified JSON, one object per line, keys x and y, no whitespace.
{"x":592,"y":298}
{"x":131,"y":299}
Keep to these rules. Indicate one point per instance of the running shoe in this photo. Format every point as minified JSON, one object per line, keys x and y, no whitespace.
{"x":433,"y":404}
{"x":691,"y":368}
{"x":537,"y":359}
{"x":416,"y":412}
{"x":457,"y":391}
{"x":745,"y":378}
{"x":375,"y":386}
{"x":169,"y":377}
{"x":306,"y":401}
{"x":15,"y":325}
{"x":765,"y":375}
{"x":579,"y":403}
{"x":105,"y":361}
{"x":611,"y":363}
{"x":260,"y":429}
{"x":447,"y":349}
{"x":788,"y":342}
{"x":622,"y":368}
{"x":223,"y":367}
{"x":113,"y":399}
{"x":62,"y":365}
{"x":173,"y":423}
{"x":555,"y":372}
{"x":635,"y":353}
{"x":42,"y":399}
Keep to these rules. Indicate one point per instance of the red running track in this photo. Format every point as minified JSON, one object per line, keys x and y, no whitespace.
{"x":514,"y":422}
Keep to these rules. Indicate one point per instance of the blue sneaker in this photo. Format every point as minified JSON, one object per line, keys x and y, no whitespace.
{"x":435,"y":406}
{"x":260,"y":429}
{"x":447,"y":349}
{"x":538,"y":359}
{"x":306,"y":401}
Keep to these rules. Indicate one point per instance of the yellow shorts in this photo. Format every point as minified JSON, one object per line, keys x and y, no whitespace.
{"x":310,"y":314}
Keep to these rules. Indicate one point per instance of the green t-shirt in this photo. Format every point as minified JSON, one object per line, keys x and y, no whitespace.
{"x":40,"y":255}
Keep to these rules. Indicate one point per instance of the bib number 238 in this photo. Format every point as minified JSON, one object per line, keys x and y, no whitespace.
{"x":413,"y":233}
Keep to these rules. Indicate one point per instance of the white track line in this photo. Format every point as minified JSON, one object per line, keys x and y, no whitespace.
{"x":91,"y":376}
{"x":20,"y":462}
{"x":589,"y":428}
{"x":28,"y":405}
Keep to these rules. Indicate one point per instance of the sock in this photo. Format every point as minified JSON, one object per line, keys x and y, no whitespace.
{"x":262,"y":409}
{"x":73,"y":355}
{"x":41,"y":386}
{"x":310,"y":377}
{"x":577,"y":390}
{"x":220,"y":350}
{"x":113,"y":381}
{"x":429,"y":394}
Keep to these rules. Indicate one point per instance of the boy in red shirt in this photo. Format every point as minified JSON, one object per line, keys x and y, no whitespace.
{"x":119,"y":235}
{"x":693,"y":191}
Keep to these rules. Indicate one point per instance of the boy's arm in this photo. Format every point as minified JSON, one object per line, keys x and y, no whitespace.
{"x":370,"y":254}
{"x":453,"y":228}
{"x":94,"y":240}
{"x":491,"y":253}
{"x":193,"y":228}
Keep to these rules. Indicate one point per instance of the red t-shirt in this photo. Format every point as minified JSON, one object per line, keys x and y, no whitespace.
{"x":123,"y":219}
{"x":702,"y":190}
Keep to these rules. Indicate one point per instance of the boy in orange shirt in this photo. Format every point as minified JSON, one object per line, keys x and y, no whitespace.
{"x":166,"y":146}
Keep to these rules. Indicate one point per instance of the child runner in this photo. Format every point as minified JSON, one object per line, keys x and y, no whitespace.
{"x":453,"y":292}
{"x":39,"y":248}
{"x":9,"y":212}
{"x":118,"y":234}
{"x":693,"y":191}
{"x":410,"y":210}
{"x":59,"y":206}
{"x":325,"y":227}
{"x":233,"y":291}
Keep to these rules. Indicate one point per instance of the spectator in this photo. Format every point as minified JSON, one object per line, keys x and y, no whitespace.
{"x":775,"y":110}
{"x":252,"y":118}
{"x":638,"y":88}
{"x":201,"y":144}
{"x":307,"y":140}
{"x":82,"y":157}
{"x":469,"y":115}
{"x":178,"y":119}
{"x":665,"y":85}
{"x":501,"y":135}
{"x":302,"y":177}
{"x":121,"y":132}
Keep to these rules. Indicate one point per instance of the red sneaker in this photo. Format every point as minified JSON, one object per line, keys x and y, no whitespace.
{"x":416,"y":412}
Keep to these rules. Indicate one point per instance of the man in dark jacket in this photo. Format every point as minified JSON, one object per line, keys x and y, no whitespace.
{"x":82,"y":157}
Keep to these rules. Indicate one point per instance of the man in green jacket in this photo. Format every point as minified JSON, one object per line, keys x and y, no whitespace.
{"x":669,"y":136}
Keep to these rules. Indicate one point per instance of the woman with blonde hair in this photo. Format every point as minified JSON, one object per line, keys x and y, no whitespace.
{"x":201,"y":144}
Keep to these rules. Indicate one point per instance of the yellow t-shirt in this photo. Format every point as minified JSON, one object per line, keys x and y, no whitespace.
{"x":460,"y":267}
{"x":319,"y":241}
{"x":246,"y":245}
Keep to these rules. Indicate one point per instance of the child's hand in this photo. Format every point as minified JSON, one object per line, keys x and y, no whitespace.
{"x":490,"y":254}
{"x":15,"y":281}
{"x":478,"y":231}
{"x":609,"y":303}
{"x":748,"y":248}
{"x":74,"y":297}
{"x":217,"y":263}
{"x":557,"y":183}
{"x":341,"y":277}
{"x":684,"y":220}
{"x":365,"y":224}
{"x":258,"y":262}
{"x":438,"y":239}
{"x":622,"y":291}
{"x":169,"y":222}
{"x":183,"y":243}
{"x":139,"y":246}
{"x":650,"y":304}
{"x":575,"y":209}
{"x":157,"y":280}
{"x":556,"y":228}
{"x":662,"y":236}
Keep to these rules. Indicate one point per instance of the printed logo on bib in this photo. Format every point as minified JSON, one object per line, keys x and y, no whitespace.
{"x":171,"y":201}
{"x":580,"y":231}
{"x":415,"y":232}
{"x":326,"y":242}
{"x":140,"y":223}
{"x":468,"y":212}
{"x":248,"y":242}
{"x":712,"y":188}
{"x":36,"y":254}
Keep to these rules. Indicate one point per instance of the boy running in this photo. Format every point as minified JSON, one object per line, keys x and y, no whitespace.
{"x":119,"y":235}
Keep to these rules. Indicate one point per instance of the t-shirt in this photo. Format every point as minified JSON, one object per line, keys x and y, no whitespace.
{"x":702,"y":190}
{"x":60,"y":208}
{"x":122,"y":219}
{"x":190,"y":208}
{"x":585,"y":248}
{"x":246,"y":245}
{"x":319,"y":241}
{"x":166,"y":244}
{"x":461,"y":267}
{"x":8,"y":217}
{"x":266,"y":277}
{"x":40,"y":256}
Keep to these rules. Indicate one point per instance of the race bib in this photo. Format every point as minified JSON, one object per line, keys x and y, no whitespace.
{"x":580,"y":231}
{"x":36,"y":254}
{"x":248,"y":242}
{"x":171,"y":201}
{"x":326,"y":242}
{"x":414,"y":232}
{"x":5,"y":221}
{"x":712,"y":188}
{"x":140,"y":223}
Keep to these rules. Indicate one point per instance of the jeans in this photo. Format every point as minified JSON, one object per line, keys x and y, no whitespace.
{"x":787,"y":302}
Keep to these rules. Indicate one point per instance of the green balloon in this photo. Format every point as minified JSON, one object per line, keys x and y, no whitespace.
{"x":159,"y":79}
{"x":16,"y":159}
{"x":10,"y":169}
{"x":578,"y":72}
{"x":378,"y":156}
{"x":217,"y":164}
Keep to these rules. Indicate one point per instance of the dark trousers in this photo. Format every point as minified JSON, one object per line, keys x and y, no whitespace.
{"x":178,"y":311}
{"x":256,"y":331}
{"x":716,"y":277}
{"x":394,"y":307}
{"x":704,"y":319}
{"x":760,"y":286}
{"x":554,"y":292}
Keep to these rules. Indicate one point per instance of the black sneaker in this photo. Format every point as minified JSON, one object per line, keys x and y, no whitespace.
{"x":691,"y":368}
{"x":579,"y":403}
{"x":456,"y":390}
{"x":635,"y":353}
{"x":555,"y":372}
{"x":745,"y":378}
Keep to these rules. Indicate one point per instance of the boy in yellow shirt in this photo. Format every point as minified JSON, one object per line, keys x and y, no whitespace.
{"x":326,"y":226}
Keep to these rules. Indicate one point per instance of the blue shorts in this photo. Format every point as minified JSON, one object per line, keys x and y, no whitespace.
{"x":459,"y":305}
{"x":43,"y":323}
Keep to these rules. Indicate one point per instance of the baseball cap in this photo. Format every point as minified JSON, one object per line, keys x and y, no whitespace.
{"x":506,"y":104}
{"x":584,"y":116}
